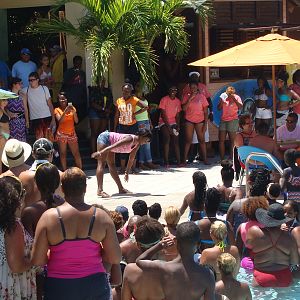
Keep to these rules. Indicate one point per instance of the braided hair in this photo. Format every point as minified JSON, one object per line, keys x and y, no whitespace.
{"x":200,"y":183}
{"x":47,"y":180}
{"x":259,"y":178}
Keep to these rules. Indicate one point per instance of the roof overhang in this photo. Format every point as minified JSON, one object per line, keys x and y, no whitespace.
{"x":5,"y":4}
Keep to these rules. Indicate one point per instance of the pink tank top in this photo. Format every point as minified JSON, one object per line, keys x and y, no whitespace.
{"x":75,"y":258}
{"x":115,"y":137}
{"x":246,"y":226}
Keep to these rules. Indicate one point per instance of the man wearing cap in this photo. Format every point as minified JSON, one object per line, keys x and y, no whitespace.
{"x":274,"y":250}
{"x":24,"y":67}
{"x":14,"y":156}
{"x":42,"y":152}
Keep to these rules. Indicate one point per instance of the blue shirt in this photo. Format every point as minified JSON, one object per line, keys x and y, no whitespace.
{"x":22,"y":70}
{"x":4,"y":74}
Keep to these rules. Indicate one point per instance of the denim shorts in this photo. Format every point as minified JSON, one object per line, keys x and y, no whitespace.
{"x":103,"y":138}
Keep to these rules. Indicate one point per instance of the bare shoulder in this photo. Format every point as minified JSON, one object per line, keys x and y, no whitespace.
{"x":234,"y":251}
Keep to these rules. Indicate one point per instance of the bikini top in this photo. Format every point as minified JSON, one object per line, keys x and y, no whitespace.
{"x":263,"y":97}
{"x":284,"y":98}
{"x":4,"y":118}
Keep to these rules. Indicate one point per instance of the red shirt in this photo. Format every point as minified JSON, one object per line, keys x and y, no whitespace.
{"x":195,"y":109}
{"x":171,"y":107}
{"x":229,"y":107}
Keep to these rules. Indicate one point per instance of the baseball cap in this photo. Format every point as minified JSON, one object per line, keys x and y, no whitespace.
{"x":26,"y":51}
{"x":42,"y":146}
{"x":123,"y":211}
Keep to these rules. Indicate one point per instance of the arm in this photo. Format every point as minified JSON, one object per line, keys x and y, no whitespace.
{"x":116,"y":119}
{"x":205,"y":118}
{"x":187,"y":103}
{"x":220,"y":104}
{"x":115,"y":275}
{"x":296,"y":235}
{"x":230,"y":233}
{"x":210,"y":289}
{"x":283,"y":180}
{"x":25,"y":104}
{"x":50,"y":105}
{"x":238,"y":141}
{"x":14,"y":247}
{"x":237,"y":102}
{"x":141,"y":104}
{"x":294,"y":257}
{"x":239,"y":241}
{"x":28,"y":215}
{"x":126,"y":291}
{"x":40,"y":245}
{"x":130,"y":161}
{"x":110,"y":243}
{"x":184,"y":206}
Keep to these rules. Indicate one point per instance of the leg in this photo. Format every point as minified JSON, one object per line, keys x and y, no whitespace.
{"x":103,"y":125}
{"x":232,"y":138}
{"x":95,"y":131}
{"x":166,"y":142}
{"x":113,"y":172}
{"x":200,"y":131}
{"x":100,"y":172}
{"x":189,"y":130}
{"x":175,"y":140}
{"x":222,"y":137}
{"x":62,"y":147}
{"x":75,"y":152}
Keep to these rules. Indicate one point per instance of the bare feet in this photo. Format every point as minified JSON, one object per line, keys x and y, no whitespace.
{"x":124,"y":191}
{"x":102,"y":194}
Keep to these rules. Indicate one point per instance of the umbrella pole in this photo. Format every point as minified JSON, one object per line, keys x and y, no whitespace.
{"x":274,"y":102}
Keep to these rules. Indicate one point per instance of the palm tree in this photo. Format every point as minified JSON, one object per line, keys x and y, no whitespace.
{"x":129,"y":25}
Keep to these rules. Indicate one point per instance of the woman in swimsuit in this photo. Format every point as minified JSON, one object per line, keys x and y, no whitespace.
{"x":285,"y":95}
{"x":228,"y":193}
{"x":218,"y":233}
{"x":45,"y":72}
{"x":248,"y":209}
{"x":79,"y":237}
{"x":261,"y":96}
{"x":195,"y":199}
{"x":290,"y":179}
{"x":274,"y":250}
{"x":109,"y":143}
{"x":212,"y":202}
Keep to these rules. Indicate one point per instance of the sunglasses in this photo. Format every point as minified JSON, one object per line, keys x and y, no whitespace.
{"x":33,"y":79}
{"x":290,"y":121}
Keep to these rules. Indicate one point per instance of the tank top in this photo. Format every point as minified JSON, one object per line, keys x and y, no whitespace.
{"x":75,"y":258}
{"x":115,"y":137}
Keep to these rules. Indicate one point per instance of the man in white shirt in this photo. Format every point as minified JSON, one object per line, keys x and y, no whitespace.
{"x":24,"y":67}
{"x":38,"y":107}
{"x":290,"y":131}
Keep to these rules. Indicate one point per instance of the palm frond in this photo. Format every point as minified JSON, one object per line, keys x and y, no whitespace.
{"x":204,"y":8}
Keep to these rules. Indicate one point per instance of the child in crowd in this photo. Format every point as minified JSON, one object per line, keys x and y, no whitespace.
{"x":155,"y":211}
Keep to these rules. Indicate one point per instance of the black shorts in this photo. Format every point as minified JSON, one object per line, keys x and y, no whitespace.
{"x":93,"y":287}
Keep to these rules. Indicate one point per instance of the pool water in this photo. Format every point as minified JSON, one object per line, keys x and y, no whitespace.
{"x":289,"y":293}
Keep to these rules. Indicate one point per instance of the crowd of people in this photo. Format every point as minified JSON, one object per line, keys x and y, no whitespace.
{"x":55,"y":246}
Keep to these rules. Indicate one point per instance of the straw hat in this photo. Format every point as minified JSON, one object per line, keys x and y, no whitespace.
{"x":15,"y":153}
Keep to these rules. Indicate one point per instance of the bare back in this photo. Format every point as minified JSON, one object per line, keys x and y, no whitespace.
{"x":273,"y":248}
{"x":169,"y":281}
{"x":233,"y":289}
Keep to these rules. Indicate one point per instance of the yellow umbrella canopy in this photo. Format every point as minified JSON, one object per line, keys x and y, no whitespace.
{"x":269,"y":50}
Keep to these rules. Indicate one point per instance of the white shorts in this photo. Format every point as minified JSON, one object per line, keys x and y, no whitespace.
{"x":206,"y":136}
{"x":282,"y":120}
{"x":263,"y":113}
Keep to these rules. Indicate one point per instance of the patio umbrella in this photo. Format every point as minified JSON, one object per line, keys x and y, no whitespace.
{"x":7,"y":95}
{"x":270,"y":50}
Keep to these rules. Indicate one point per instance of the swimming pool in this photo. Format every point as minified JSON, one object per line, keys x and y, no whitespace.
{"x":290,"y":293}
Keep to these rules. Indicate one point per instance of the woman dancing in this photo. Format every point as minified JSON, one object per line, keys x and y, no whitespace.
{"x":109,"y":143}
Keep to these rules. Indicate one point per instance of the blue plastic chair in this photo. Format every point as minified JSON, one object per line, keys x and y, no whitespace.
{"x":245,"y":151}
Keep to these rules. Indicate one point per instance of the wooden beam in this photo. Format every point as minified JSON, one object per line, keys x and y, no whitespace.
{"x":6,"y":4}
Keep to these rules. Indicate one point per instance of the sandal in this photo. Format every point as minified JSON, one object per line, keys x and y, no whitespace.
{"x":102,"y":194}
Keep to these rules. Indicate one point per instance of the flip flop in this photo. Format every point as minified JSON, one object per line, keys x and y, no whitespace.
{"x":124,"y":191}
{"x":102,"y":194}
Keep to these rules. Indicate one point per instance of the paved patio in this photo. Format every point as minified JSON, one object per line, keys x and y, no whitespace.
{"x":167,"y":187}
